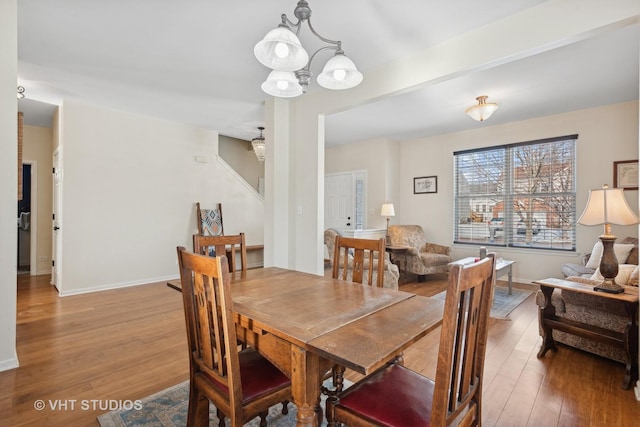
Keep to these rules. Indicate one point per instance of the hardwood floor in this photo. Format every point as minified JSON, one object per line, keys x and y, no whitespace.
{"x":129,"y":343}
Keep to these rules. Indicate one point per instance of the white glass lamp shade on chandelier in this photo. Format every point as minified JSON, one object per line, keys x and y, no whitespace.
{"x":281,"y":51}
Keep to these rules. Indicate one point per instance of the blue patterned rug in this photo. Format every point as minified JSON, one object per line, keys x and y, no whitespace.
{"x":168,"y":408}
{"x":503,"y":303}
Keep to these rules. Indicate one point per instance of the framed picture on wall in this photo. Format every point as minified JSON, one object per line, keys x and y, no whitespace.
{"x":425,"y":185}
{"x":625,"y":174}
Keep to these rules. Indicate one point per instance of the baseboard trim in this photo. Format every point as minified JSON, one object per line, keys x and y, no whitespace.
{"x":112,"y":286}
{"x":9,"y":364}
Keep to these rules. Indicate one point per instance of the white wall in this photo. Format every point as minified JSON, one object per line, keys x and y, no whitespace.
{"x":130,"y":184}
{"x":8,"y":181}
{"x":241,"y":157}
{"x":605,"y":134}
{"x":379,"y":159}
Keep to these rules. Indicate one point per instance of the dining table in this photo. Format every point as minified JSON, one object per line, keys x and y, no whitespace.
{"x":306,"y":323}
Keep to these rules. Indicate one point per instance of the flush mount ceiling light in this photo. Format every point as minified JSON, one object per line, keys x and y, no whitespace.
{"x":282,"y":51}
{"x":20,"y":92}
{"x":483,"y":110}
{"x":258,"y":145}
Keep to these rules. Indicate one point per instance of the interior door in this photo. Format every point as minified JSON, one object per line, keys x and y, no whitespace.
{"x":56,"y":250}
{"x":339,"y":201}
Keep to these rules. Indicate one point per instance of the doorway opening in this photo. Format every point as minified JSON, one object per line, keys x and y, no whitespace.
{"x":24,"y":223}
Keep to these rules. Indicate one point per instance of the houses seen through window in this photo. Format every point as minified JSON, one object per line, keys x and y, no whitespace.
{"x":517,"y":195}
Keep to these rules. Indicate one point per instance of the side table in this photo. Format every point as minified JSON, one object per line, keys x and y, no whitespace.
{"x":397,"y":250}
{"x":627,"y":340}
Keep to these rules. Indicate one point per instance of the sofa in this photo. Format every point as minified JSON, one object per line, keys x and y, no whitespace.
{"x":421,"y":257}
{"x":627,"y":254}
{"x":600,"y":312}
{"x":391,"y":272}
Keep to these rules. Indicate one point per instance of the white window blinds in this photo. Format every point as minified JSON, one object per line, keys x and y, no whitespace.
{"x":518,"y":195}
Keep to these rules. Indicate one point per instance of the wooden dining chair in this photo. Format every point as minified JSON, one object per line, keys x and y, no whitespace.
{"x":223,"y":245}
{"x":359,"y":260}
{"x":241,"y":384}
{"x":395,"y":396}
{"x":209,"y":221}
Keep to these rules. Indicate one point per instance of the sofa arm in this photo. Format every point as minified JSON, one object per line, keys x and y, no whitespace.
{"x":437,"y":249}
{"x":412,"y":252}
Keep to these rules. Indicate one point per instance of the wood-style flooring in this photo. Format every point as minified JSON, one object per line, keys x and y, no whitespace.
{"x":128,"y":343}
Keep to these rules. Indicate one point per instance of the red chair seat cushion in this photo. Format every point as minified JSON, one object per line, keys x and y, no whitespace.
{"x":393,"y":396}
{"x":259,"y":376}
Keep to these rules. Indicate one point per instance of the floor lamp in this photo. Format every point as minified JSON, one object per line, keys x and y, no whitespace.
{"x":608,"y":206}
{"x":387,"y":210}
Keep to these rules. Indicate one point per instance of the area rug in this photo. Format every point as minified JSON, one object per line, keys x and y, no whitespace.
{"x":503,"y":303}
{"x":168,"y":408}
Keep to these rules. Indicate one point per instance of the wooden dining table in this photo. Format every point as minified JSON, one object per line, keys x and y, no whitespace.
{"x":305,"y":323}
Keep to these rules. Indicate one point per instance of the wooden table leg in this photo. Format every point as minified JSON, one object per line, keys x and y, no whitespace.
{"x":544,"y":313}
{"x":305,"y":384}
{"x":630,"y":346}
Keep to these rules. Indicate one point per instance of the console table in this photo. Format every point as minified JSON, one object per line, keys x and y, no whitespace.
{"x":627,"y":340}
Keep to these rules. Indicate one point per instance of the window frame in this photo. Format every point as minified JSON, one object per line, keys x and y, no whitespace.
{"x":501,"y":176}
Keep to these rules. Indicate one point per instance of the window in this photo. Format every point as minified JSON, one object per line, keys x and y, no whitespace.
{"x":529,"y":190}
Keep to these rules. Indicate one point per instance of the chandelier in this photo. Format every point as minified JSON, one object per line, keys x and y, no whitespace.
{"x":483,"y":110}
{"x":258,"y":145}
{"x":282,"y":51}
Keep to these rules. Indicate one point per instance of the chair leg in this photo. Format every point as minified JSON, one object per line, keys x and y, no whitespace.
{"x":198,"y":411}
{"x":263,"y":418}
{"x":220,"y":415}
{"x":338,"y":385}
{"x":285,"y":407}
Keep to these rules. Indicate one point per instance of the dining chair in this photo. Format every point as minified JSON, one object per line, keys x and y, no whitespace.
{"x":209,"y":220}
{"x":359,"y":260}
{"x":395,"y":396}
{"x":229,"y":245}
{"x":241,"y":384}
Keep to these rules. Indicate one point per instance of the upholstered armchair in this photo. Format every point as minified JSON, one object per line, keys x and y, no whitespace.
{"x":391,"y":272}
{"x":422,"y":257}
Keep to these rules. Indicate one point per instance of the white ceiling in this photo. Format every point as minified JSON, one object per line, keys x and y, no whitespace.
{"x":192,"y":62}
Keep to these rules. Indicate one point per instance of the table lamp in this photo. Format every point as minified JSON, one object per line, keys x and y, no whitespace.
{"x":387,"y":210}
{"x":608,"y":206}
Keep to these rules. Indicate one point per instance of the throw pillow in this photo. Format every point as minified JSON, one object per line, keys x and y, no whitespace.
{"x":624,"y":273}
{"x":621,"y":250}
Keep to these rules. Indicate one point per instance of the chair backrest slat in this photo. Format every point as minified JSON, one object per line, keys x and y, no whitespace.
{"x":228,"y":245}
{"x":357,"y":256}
{"x":463,"y":341}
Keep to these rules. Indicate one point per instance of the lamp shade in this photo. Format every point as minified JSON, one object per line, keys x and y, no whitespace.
{"x":283,"y":84}
{"x":483,"y":110}
{"x":387,"y":210}
{"x":339,"y":73}
{"x":281,"y":50}
{"x":607,"y":206}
